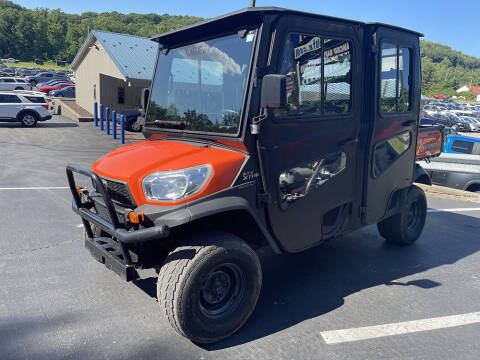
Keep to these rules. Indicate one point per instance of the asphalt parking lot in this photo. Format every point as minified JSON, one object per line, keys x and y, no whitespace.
{"x":352,"y":298}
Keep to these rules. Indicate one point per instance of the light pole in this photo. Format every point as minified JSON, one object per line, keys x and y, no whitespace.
{"x":85,"y":21}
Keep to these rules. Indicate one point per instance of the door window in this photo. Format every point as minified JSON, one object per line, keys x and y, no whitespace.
{"x":388,"y":151}
{"x":395,"y":78}
{"x":318,"y":76}
{"x":6,"y":99}
{"x":121,"y":95}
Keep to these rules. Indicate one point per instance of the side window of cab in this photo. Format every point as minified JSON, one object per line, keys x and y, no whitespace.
{"x":395,"y":79}
{"x":318,"y":71}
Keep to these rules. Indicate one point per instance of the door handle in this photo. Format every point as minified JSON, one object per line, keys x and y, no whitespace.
{"x":409,"y":122}
{"x":347,"y":142}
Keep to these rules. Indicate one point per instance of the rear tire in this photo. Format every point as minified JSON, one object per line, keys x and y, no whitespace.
{"x":406,"y":227}
{"x":209,"y":285}
{"x":19,"y":88}
{"x":28,"y":119}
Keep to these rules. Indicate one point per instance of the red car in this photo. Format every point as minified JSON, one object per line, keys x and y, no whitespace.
{"x":46,"y":89}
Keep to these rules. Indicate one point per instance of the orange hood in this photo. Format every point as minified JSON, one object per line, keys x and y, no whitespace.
{"x":132,"y":163}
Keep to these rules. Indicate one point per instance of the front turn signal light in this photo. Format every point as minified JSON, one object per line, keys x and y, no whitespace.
{"x":136,"y":217}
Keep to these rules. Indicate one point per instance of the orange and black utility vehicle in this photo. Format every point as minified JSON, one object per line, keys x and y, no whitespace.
{"x":265,"y":126}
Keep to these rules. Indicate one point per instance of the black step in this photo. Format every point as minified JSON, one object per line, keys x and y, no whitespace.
{"x":108,"y":252}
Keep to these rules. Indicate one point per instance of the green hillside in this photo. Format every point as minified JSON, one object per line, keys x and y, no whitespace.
{"x":52,"y":34}
{"x":444,"y":69}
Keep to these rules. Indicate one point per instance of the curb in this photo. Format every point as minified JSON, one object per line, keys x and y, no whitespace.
{"x":442,"y":192}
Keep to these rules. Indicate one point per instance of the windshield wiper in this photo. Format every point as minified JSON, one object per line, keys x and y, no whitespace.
{"x":170,"y":124}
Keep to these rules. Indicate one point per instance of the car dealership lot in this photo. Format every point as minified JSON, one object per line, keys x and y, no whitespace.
{"x":56,"y":302}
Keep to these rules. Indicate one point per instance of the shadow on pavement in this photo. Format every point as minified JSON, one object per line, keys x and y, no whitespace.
{"x":56,"y":125}
{"x":39,"y":125}
{"x":297,"y":287}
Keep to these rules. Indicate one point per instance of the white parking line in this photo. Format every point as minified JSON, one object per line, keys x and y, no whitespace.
{"x":453,"y":210}
{"x":372,"y":332}
{"x":36,"y":188}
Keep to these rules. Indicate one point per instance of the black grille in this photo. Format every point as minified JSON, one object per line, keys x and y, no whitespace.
{"x":101,"y":211}
{"x":119,"y":192}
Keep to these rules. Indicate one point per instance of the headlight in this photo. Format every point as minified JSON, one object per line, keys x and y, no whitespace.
{"x":176,"y":185}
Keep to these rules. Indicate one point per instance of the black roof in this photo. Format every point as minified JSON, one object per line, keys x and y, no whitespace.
{"x":245,"y":17}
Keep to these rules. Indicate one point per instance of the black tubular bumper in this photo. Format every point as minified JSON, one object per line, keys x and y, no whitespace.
{"x":112,"y":226}
{"x":112,"y":252}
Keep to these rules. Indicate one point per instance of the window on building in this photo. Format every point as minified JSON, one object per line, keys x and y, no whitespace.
{"x":318,"y":76}
{"x":121,"y":95}
{"x":395,"y":78}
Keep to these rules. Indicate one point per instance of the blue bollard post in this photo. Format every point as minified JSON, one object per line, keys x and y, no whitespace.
{"x":107,"y":120}
{"x":101,"y":117}
{"x":95,"y":114}
{"x":114,"y":124}
{"x":122,"y":129}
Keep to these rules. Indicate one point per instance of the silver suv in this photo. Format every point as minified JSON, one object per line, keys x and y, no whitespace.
{"x":25,"y":107}
{"x":11,"y":83}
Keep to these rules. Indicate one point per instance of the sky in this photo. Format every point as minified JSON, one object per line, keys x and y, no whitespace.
{"x":455,"y":24}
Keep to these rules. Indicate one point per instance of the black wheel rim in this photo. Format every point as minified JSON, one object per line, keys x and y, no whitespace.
{"x":222,"y":290}
{"x":413,"y":217}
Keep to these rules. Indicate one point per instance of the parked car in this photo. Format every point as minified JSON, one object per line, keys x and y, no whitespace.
{"x":11,"y":83}
{"x":458,"y":144}
{"x":472,"y":123}
{"x":453,"y":121}
{"x":58,"y":86}
{"x":131,"y":119}
{"x":52,"y":82}
{"x":10,"y":71}
{"x":68,"y":92}
{"x":43,"y":77}
{"x":25,"y":108}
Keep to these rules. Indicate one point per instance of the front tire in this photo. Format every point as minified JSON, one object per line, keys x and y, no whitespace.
{"x":406,"y":227}
{"x":209,"y":286}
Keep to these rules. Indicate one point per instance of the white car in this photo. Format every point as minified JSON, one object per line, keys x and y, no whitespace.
{"x":11,"y":83}
{"x":23,"y":107}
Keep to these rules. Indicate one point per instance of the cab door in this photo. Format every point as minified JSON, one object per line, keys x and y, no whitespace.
{"x":309,"y":147}
{"x":395,"y":111}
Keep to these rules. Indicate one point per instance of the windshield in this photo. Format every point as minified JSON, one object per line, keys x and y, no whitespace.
{"x":200,"y":87}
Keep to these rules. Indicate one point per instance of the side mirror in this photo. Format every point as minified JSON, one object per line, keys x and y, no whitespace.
{"x":145,"y":96}
{"x":274,"y":91}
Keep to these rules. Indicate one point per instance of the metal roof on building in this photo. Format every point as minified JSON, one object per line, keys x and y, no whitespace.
{"x":133,"y":55}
